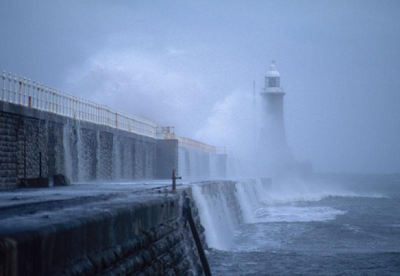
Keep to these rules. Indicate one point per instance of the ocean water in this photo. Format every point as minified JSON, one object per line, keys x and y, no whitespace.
{"x":349,"y":225}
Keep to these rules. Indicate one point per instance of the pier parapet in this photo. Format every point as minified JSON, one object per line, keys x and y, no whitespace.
{"x":191,"y":158}
{"x":86,"y":141}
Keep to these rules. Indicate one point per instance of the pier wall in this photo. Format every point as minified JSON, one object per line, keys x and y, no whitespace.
{"x":190,"y":163}
{"x":111,"y":232}
{"x":120,"y":236}
{"x":83,"y":151}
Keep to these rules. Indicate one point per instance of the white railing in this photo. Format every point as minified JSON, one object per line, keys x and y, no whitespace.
{"x":190,"y":143}
{"x":33,"y":94}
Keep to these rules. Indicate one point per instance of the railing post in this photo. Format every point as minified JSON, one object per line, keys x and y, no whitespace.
{"x":59,"y":106}
{"x":74,"y":108}
{"x":108,"y":117}
{"x":66,"y":101}
{"x":15,"y":88}
{"x":71,"y":111}
{"x":79,"y":109}
{"x":62,"y":103}
{"x":49,"y":98}
{"x":57,"y":95}
{"x":44,"y":97}
{"x":3,"y":97}
{"x":52,"y":99}
{"x":20,"y":90}
{"x":85,"y":111}
{"x":82,"y":105}
{"x":30,"y":94}
{"x":25,"y":93}
{"x":10,"y":79}
{"x":34,"y":93}
{"x":38,"y":94}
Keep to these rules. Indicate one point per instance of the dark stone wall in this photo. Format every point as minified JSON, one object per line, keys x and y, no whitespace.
{"x":8,"y":147}
{"x":167,"y":158}
{"x":196,"y":164}
{"x":85,"y":151}
{"x":125,"y":235}
{"x":139,"y":160}
{"x":80,"y":150}
{"x":55,"y":155}
{"x":105,"y":171}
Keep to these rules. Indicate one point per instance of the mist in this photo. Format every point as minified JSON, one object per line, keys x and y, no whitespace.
{"x":192,"y":66}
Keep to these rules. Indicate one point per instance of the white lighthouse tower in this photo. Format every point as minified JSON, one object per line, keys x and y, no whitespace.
{"x":275,"y":156}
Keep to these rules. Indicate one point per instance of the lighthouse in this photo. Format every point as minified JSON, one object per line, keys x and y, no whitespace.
{"x":274,"y":152}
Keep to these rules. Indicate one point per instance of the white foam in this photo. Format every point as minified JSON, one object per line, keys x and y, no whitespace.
{"x":296,"y":214}
{"x":215,"y":217}
{"x":284,"y":201}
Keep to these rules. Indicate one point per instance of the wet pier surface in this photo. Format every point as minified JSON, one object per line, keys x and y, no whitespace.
{"x":84,"y":229}
{"x":30,"y":206}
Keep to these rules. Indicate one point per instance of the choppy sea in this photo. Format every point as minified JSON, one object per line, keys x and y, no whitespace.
{"x":350,"y":227}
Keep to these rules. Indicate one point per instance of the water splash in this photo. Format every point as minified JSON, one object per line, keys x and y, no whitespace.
{"x":67,"y":133}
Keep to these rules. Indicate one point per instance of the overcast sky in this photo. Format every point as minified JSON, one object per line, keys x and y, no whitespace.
{"x":191,"y":64}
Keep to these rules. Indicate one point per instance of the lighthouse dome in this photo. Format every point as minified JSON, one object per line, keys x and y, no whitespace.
{"x":272,"y":73}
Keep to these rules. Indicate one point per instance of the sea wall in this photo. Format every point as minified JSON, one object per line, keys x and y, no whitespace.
{"x":114,"y":231}
{"x":124,"y":235}
{"x":82,"y":151}
{"x":35,"y":142}
{"x":225,"y":205}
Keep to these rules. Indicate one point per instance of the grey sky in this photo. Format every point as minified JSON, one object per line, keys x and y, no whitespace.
{"x":192,"y":63}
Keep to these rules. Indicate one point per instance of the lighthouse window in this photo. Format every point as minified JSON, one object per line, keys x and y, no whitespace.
{"x":272,"y":82}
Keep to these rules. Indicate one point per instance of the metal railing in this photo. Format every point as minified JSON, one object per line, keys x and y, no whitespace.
{"x":190,"y":143}
{"x":22,"y":91}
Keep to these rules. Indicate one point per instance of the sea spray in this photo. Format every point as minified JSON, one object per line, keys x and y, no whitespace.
{"x":216,"y":216}
{"x":244,"y":192}
{"x":80,"y":148}
{"x":116,"y":159}
{"x":293,"y":190}
{"x":67,"y":151}
{"x":98,"y":172}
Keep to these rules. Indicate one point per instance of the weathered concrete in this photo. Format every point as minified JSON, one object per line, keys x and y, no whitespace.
{"x":97,"y":230}
{"x":167,"y":158}
{"x":82,"y":151}
{"x":85,"y":151}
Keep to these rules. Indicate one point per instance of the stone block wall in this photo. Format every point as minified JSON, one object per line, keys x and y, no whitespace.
{"x":85,"y":151}
{"x":196,"y":164}
{"x":105,"y":155}
{"x":125,"y":235}
{"x":82,"y":151}
{"x":167,"y":158}
{"x":9,"y":148}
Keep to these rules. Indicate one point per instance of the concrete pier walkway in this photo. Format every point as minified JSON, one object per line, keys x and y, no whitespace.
{"x":92,"y":229}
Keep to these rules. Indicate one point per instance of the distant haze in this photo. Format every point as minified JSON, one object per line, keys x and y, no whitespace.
{"x":191,"y":64}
